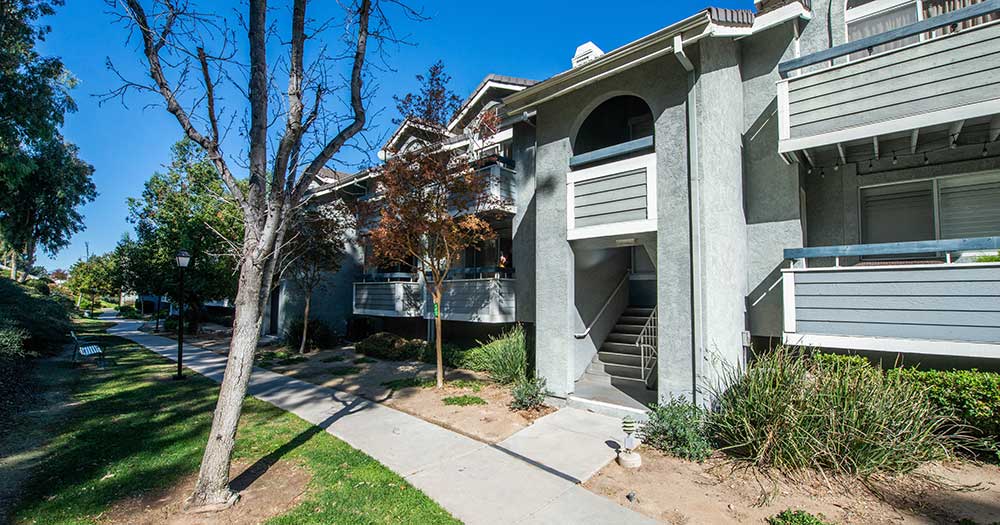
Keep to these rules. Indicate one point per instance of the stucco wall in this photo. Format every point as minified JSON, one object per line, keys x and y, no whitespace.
{"x":597,"y":274}
{"x":331,"y":302}
{"x":724,"y":252}
{"x":771,"y":185}
{"x":523,"y":152}
{"x":662,"y":84}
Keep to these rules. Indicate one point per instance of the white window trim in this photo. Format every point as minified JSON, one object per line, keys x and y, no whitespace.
{"x":878,"y":7}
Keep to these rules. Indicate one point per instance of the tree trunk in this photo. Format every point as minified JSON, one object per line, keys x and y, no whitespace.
{"x":212,"y":488}
{"x":305,"y":324}
{"x":157,"y":314}
{"x":79,"y":299}
{"x":436,"y":295}
{"x":13,"y":265}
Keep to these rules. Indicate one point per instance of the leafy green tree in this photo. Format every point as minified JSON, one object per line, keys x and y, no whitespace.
{"x":185,"y":208}
{"x":41,"y":180}
{"x":42,"y":211}
{"x":94,"y":277}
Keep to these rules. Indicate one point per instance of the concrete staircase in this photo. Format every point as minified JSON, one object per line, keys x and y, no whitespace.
{"x":618,"y":358}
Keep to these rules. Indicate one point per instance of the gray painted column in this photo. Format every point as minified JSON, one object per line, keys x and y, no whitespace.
{"x":554,"y":279}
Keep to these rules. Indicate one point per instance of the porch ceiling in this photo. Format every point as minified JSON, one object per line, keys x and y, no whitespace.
{"x":924,"y":143}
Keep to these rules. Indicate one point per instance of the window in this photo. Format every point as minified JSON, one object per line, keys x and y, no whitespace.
{"x":966,"y":207}
{"x":617,"y":120}
{"x":867,"y":18}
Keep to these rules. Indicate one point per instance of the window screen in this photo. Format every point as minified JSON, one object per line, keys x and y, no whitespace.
{"x":898,"y":213}
{"x":970,"y":206}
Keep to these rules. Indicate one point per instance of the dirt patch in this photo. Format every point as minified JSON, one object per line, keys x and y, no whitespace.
{"x":265,"y":493}
{"x":346,"y":370}
{"x":492,"y":422}
{"x":682,"y":492}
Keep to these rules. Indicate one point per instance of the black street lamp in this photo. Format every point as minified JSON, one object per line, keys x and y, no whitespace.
{"x":183,"y":260}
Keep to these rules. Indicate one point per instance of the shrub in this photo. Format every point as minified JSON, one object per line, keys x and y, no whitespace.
{"x":409,"y":382}
{"x":988,"y":258}
{"x":678,"y":428}
{"x":40,"y":286}
{"x":504,"y":357}
{"x":789,"y":411}
{"x":320,"y":334}
{"x":385,"y":345}
{"x":970,"y":395}
{"x":796,"y":517}
{"x":128,"y":312}
{"x":528,"y":394}
{"x":452,"y":355}
{"x":464,"y":401}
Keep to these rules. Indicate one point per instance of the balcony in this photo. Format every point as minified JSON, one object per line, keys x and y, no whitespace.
{"x":389,"y":295}
{"x":937,"y":83}
{"x":481,"y":297}
{"x":934,"y":306}
{"x":612,"y":191}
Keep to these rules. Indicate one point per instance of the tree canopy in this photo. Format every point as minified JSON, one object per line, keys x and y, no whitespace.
{"x":187,"y":207}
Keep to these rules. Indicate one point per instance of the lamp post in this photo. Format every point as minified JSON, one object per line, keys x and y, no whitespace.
{"x":183,"y":260}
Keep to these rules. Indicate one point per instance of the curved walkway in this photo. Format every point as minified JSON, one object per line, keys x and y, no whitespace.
{"x":475,"y":482}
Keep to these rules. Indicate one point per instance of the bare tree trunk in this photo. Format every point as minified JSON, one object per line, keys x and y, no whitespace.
{"x":13,"y":265}
{"x":212,"y":489}
{"x":157,"y":314}
{"x":79,"y":298}
{"x":305,"y":324}
{"x":436,"y":295}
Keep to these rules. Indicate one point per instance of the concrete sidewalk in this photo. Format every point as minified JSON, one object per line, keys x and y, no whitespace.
{"x":475,"y":482}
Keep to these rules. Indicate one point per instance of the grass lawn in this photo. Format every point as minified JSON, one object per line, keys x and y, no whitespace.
{"x":134,"y":430}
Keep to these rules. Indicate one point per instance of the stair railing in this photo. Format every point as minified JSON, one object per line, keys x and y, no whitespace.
{"x":607,"y":302}
{"x":646,"y":342}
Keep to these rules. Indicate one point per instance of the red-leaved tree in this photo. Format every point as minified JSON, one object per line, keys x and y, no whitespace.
{"x":430,"y":201}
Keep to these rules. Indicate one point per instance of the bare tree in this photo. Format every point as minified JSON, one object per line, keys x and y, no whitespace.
{"x":193,"y":62}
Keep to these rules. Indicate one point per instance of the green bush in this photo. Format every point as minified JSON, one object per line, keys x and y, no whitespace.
{"x":320,"y":334}
{"x":791,"y":412}
{"x":970,"y":395}
{"x":504,"y":357}
{"x":678,"y":428}
{"x":988,"y":258}
{"x":796,"y":517}
{"x":40,"y":286}
{"x":391,"y":347}
{"x":128,"y":312}
{"x":452,"y":355}
{"x":528,"y":394}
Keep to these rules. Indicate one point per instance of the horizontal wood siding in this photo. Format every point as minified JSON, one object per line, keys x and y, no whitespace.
{"x":938,"y":74}
{"x":613,"y":198}
{"x":391,"y":299}
{"x":946,"y":303}
{"x":482,"y":300}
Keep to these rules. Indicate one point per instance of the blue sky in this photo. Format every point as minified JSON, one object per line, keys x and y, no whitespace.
{"x":127,"y":144}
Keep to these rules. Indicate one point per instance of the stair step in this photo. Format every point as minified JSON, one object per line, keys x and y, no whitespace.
{"x":614,"y":358}
{"x":633,"y":320}
{"x":617,"y":337}
{"x":627,"y":329}
{"x":619,"y":348}
{"x":638,"y":311}
{"x":623,"y":371}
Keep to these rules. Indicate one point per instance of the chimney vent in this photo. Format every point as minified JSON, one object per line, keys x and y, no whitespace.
{"x":585,"y":53}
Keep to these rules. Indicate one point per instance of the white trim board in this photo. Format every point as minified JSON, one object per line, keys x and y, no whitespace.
{"x":611,"y":230}
{"x":896,"y":345}
{"x":943,"y":116}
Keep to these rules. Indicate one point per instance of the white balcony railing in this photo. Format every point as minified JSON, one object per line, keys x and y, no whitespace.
{"x":388,"y":299}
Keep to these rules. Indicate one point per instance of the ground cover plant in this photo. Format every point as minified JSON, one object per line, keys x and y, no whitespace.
{"x":678,"y":428}
{"x":791,"y":412}
{"x":278,"y":357}
{"x":134,"y":431}
{"x":463,"y":400}
{"x":528,"y":394}
{"x":796,"y":517}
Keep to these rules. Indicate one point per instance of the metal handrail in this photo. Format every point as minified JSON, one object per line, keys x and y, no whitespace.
{"x":896,"y":248}
{"x":647,"y":340}
{"x":585,"y":333}
{"x":959,"y":15}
